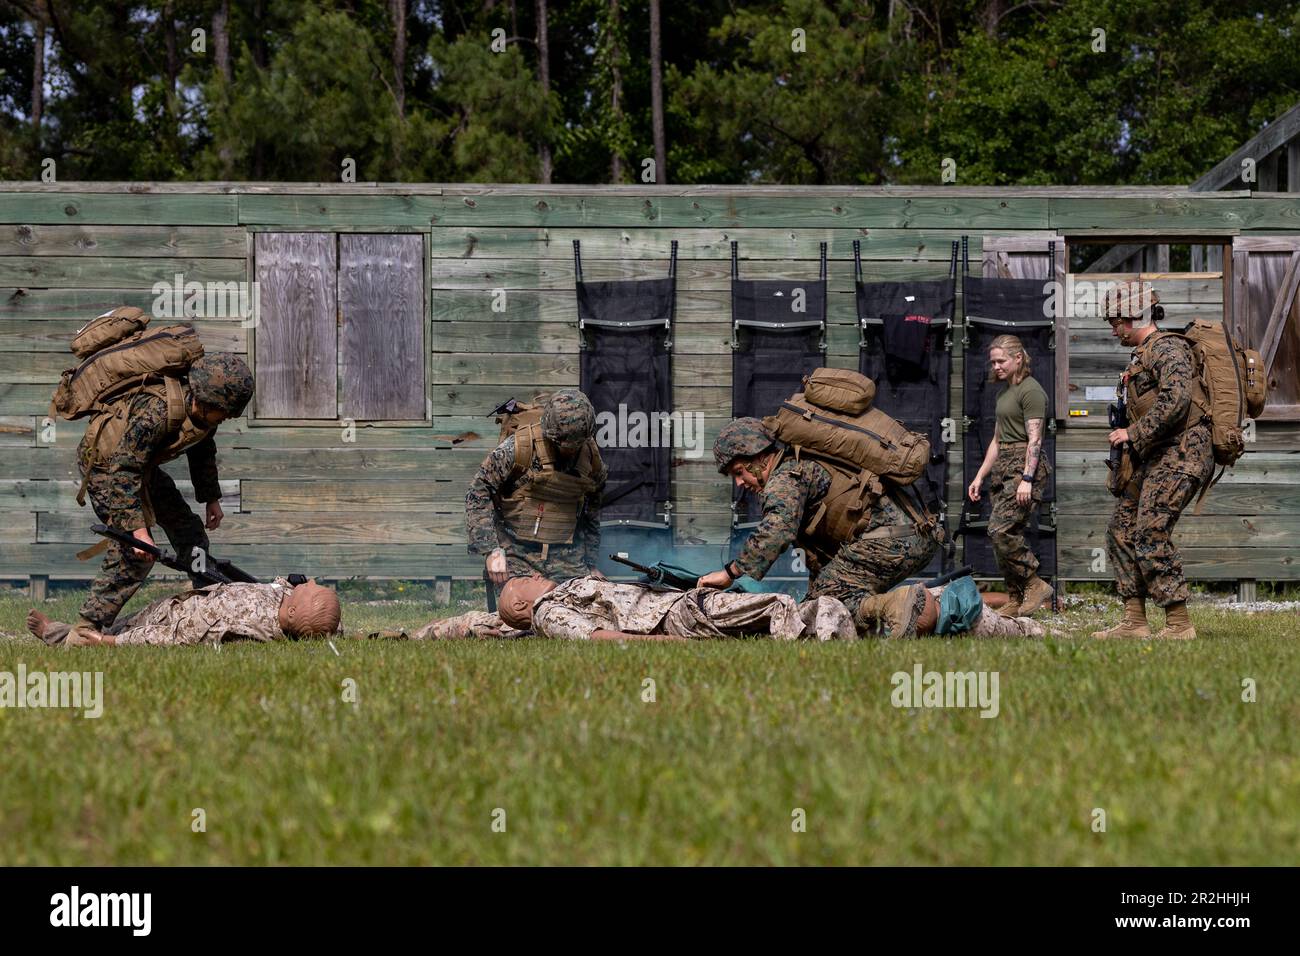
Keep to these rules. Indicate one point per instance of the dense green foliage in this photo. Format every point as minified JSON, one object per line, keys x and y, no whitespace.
{"x":782,"y":91}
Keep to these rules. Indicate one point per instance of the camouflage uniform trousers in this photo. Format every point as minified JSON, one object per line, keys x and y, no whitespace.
{"x":1139,"y":539}
{"x":562,"y":562}
{"x":1009,"y":518}
{"x":122,"y":573}
{"x":866,"y":566}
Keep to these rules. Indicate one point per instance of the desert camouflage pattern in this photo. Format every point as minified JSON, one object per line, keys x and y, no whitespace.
{"x":128,"y":492}
{"x":740,"y":438}
{"x":486,"y":531}
{"x":210,"y":615}
{"x":1173,"y":462}
{"x":568,"y":417}
{"x":1009,"y":518}
{"x":578,"y":607}
{"x":473,"y":624}
{"x":222,"y":380}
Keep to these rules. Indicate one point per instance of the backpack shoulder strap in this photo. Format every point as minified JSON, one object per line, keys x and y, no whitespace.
{"x":175,"y":397}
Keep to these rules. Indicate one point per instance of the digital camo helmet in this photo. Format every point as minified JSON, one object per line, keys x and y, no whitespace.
{"x":568,"y":418}
{"x":222,"y":380}
{"x":741,"y":438}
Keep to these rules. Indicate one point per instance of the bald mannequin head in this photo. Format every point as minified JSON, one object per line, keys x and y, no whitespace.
{"x":516,"y":602}
{"x":310,"y":610}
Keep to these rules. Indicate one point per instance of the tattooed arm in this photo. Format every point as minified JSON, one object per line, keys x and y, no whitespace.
{"x":1034,"y":447}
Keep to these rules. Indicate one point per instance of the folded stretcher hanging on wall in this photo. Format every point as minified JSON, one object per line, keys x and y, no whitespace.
{"x":778,"y":335}
{"x":993,"y":307}
{"x":625,"y":367}
{"x":905,"y":347}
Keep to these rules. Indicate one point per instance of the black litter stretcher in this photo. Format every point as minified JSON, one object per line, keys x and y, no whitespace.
{"x":905,"y":347}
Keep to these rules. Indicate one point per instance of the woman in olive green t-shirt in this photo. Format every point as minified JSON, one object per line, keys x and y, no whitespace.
{"x":1019,"y":472}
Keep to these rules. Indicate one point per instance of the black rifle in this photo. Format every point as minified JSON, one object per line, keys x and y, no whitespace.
{"x":215,"y":570}
{"x":950,"y":576}
{"x":1118,"y":414}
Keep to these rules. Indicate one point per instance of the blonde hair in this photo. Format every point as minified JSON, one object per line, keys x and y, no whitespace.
{"x":1013,"y":347}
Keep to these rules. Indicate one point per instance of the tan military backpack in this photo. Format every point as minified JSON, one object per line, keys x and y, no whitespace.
{"x":118,"y":355}
{"x":833,"y":416}
{"x":1232,"y":386}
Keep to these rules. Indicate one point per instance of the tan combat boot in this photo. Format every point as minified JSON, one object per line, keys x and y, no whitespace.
{"x":1038,"y":593}
{"x":1012,"y":607}
{"x":1178,"y":624}
{"x":1133,"y":624}
{"x":895,"y":614}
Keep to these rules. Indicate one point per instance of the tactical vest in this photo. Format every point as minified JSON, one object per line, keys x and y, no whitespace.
{"x":1142,"y":386}
{"x":105,"y":431}
{"x":845,"y":510}
{"x":545,"y":503}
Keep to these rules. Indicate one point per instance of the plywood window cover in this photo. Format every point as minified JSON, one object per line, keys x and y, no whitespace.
{"x":427,"y":420}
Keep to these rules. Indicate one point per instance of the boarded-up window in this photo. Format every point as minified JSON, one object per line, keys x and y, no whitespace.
{"x":341,"y":332}
{"x":297,"y":331}
{"x":1266,"y":307}
{"x":381,"y":301}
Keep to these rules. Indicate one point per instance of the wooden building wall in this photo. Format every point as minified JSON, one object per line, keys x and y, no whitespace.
{"x":304,"y":497}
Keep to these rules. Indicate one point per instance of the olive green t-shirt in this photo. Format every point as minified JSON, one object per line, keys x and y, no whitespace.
{"x":1017,"y":405}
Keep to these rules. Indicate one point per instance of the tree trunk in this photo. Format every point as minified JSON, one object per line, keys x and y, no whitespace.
{"x":38,"y":73}
{"x":657,"y":94}
{"x":398,"y":9}
{"x":221,"y":39}
{"x":616,"y":95}
{"x":544,"y":74}
{"x":173,"y":64}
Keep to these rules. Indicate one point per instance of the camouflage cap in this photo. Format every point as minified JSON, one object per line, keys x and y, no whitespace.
{"x":222,"y":380}
{"x":568,"y":417}
{"x":741,"y":438}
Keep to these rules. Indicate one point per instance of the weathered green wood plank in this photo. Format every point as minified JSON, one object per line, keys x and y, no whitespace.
{"x":269,"y":559}
{"x":179,"y":241}
{"x":17,"y":527}
{"x":18,"y":430}
{"x":559,"y":304}
{"x":39,"y":495}
{"x":651,"y":246}
{"x":739,"y":209}
{"x":302,"y":528}
{"x":24,"y":399}
{"x":1184,"y":215}
{"x":343,"y":212}
{"x":118,"y":210}
{"x":481,"y":273}
{"x":33,"y":303}
{"x":120,"y":273}
{"x":54,"y":335}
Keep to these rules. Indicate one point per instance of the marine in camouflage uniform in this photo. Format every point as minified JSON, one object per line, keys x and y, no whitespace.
{"x":1171,"y":462}
{"x":888,"y":549}
{"x":211,"y":615}
{"x":580,"y":606}
{"x":568,"y":418}
{"x":1171,"y":466}
{"x":128,"y":490}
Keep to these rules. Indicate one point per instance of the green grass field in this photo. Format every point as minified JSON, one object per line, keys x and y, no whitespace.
{"x":741,"y":735}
